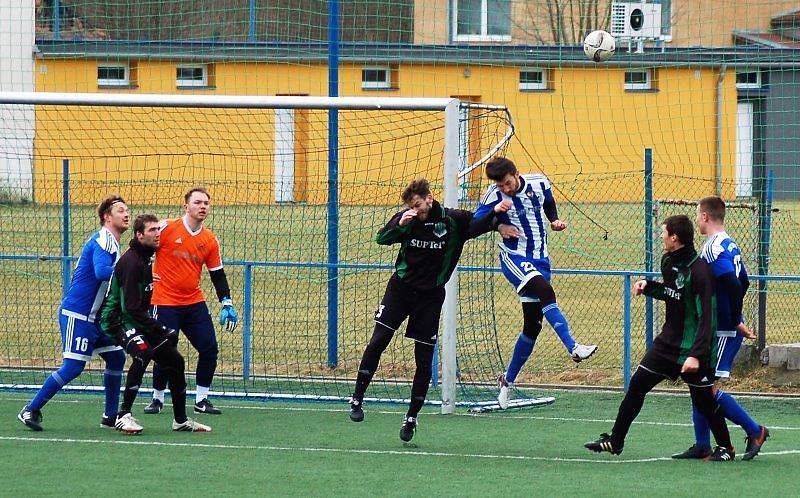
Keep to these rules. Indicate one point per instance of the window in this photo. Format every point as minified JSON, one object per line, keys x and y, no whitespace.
{"x":533,"y":79}
{"x":639,"y":79}
{"x":482,"y":20}
{"x":192,"y":75}
{"x":113,"y":75}
{"x":378,"y":77}
{"x":748,"y":78}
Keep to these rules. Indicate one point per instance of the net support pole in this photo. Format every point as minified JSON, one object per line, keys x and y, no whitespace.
{"x":765,"y":236}
{"x":56,"y":19}
{"x":251,"y":21}
{"x":648,"y":242}
{"x":626,"y":331}
{"x":450,"y":308}
{"x":65,"y":216}
{"x":247,"y":321}
{"x":333,"y":186}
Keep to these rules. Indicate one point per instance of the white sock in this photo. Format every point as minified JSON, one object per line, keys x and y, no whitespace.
{"x":159,"y":395}
{"x":201,"y":394}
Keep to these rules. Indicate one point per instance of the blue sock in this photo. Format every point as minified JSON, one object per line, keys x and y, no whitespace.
{"x":556,"y":320}
{"x":734,"y":412}
{"x":112,"y":380}
{"x":702,"y":432}
{"x":58,"y":379}
{"x":522,"y":351}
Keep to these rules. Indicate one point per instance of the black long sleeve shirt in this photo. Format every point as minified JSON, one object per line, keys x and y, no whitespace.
{"x":430,"y":249}
{"x":691,"y":315}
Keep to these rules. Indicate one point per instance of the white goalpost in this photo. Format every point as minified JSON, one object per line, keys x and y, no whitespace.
{"x":420,"y":147}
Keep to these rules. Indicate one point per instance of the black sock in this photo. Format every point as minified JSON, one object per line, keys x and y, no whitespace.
{"x":381,"y":337}
{"x":132,"y":383}
{"x":423,"y":355}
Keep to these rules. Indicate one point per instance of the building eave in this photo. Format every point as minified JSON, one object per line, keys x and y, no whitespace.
{"x":474,"y":55}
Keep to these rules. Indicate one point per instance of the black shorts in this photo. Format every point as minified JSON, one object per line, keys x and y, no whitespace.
{"x":422,"y":308}
{"x":671,"y":370}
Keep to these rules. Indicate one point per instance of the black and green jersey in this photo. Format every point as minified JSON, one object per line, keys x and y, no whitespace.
{"x":429,"y":250}
{"x":127,"y":303}
{"x":691,"y":314}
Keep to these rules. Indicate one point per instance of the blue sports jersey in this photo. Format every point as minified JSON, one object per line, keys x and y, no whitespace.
{"x":725,"y":259}
{"x":533,"y":208}
{"x":92,"y":274}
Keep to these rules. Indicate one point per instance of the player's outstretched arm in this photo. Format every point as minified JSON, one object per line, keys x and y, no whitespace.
{"x":489,"y":221}
{"x":652,"y":288}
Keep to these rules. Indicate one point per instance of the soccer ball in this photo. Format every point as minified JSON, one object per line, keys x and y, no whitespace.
{"x":599,"y":45}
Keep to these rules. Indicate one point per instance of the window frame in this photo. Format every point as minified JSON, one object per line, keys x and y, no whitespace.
{"x":750,"y":86}
{"x":385,"y":84}
{"x":184,"y":83}
{"x":105,"y":82}
{"x":647,"y":85}
{"x":532,"y":87}
{"x":484,"y":35}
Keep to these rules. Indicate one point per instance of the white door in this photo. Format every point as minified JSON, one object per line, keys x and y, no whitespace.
{"x":284,"y":155}
{"x":744,"y":149}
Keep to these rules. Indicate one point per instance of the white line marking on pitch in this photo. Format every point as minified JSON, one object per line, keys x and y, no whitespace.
{"x":357,"y":451}
{"x":312,"y":409}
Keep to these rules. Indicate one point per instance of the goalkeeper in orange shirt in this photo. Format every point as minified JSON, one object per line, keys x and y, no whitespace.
{"x":178,"y":302}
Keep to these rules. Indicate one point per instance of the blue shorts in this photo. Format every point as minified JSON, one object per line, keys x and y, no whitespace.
{"x":727,"y":347}
{"x":519,"y":270}
{"x":81,"y":339}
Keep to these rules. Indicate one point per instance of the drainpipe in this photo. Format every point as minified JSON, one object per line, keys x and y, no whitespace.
{"x":720,"y":99}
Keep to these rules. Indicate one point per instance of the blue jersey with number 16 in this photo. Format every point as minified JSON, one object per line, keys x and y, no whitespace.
{"x":92,"y":274}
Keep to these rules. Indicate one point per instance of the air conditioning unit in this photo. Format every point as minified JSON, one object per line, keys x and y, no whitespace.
{"x":636,"y":20}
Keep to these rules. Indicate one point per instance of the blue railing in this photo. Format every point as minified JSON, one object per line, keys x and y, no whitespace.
{"x":626,"y":277}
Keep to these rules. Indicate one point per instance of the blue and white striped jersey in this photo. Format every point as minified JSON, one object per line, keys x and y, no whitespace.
{"x":529,"y":215}
{"x":92,"y":274}
{"x":725,"y":259}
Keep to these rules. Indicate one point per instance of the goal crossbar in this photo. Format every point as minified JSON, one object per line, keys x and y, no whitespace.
{"x":231,"y":101}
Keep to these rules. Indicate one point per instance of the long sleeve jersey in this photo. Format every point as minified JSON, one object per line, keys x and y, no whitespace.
{"x":430,"y":249}
{"x":730,"y":274}
{"x":533,"y":208}
{"x":92,"y":272}
{"x":690,"y":317}
{"x":128,"y":301}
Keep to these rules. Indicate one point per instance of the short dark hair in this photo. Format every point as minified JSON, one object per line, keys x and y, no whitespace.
{"x":714,"y":207}
{"x":105,"y":206}
{"x":681,"y":226}
{"x":141,"y":220}
{"x":419,"y":187}
{"x":499,"y":167}
{"x":191,"y":191}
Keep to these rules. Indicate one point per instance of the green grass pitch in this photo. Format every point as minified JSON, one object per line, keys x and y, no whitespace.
{"x":312,"y":449}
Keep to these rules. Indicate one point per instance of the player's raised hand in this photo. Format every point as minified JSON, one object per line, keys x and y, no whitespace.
{"x":508,"y":231}
{"x":502,"y":207}
{"x":745,"y":331}
{"x":407,"y":217}
{"x":638,"y":287}
{"x":558,"y":225}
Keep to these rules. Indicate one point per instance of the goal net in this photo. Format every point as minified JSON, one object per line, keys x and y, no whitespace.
{"x":296,"y":225}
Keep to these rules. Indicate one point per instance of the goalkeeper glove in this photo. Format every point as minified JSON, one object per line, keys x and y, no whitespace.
{"x":227,"y":315}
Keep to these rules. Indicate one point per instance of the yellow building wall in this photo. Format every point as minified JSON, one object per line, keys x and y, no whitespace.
{"x":587,"y":133}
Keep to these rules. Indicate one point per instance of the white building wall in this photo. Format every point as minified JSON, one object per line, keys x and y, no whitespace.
{"x":17,"y":42}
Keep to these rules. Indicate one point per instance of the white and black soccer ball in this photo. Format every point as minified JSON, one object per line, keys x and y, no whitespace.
{"x":599,"y":45}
